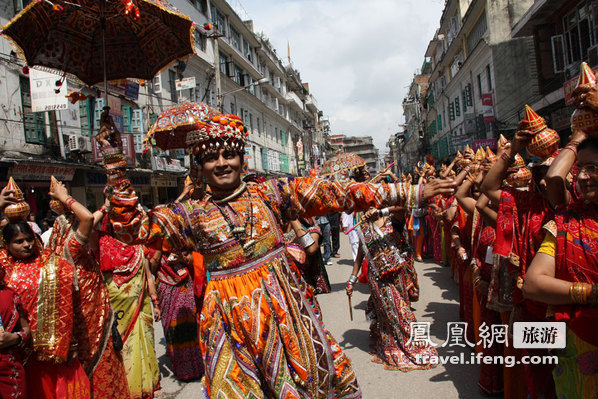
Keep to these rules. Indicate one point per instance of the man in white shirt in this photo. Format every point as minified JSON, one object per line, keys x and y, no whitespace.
{"x":347,"y":221}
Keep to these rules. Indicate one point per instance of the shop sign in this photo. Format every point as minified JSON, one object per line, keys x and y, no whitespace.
{"x":172,"y":165}
{"x":123,"y":87}
{"x":484,"y":143}
{"x":41,"y":172}
{"x":161,"y":181}
{"x":43,"y":94}
{"x":128,"y":149}
{"x":185,"y":83}
{"x":488,"y":107}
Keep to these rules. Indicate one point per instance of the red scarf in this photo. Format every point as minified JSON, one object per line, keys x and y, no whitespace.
{"x":577,"y":260}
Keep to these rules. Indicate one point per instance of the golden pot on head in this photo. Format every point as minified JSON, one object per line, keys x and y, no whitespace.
{"x":19,"y":210}
{"x":585,"y":118}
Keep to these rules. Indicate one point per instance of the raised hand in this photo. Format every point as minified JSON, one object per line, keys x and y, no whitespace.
{"x":7,"y":197}
{"x":586,"y":96}
{"x":439,"y":186}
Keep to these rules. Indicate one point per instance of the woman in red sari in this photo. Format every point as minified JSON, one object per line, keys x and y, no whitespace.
{"x":70,"y":237}
{"x":564,"y":272}
{"x":46,"y":285}
{"x":14,"y":334}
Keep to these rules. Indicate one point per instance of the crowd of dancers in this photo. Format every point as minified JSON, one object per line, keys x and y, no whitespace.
{"x":233,"y":266}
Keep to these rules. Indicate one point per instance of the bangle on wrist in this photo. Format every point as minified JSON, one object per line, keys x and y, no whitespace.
{"x":306,"y":240}
{"x":69,"y":202}
{"x":507,"y":158}
{"x":385,"y":212}
{"x":352,"y":279}
{"x":578,"y":292}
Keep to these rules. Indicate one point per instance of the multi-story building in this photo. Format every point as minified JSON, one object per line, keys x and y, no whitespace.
{"x":481,"y":77}
{"x":233,"y":68}
{"x":565,"y":33}
{"x":414,"y":145}
{"x":362,"y":146}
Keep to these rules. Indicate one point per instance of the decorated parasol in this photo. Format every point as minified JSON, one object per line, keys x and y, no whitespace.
{"x":170,"y":129}
{"x":341,"y":162}
{"x":101,"y":40}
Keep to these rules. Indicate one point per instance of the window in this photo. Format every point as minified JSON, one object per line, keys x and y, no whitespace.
{"x":558,"y":51}
{"x":489,"y":78}
{"x":233,"y":109}
{"x":197,"y":91}
{"x":218,"y":20}
{"x":251,"y":122}
{"x":579,"y":30}
{"x":258,"y":127}
{"x":172,"y":85}
{"x":239,"y":76}
{"x":477,"y":32}
{"x":247,"y":50}
{"x":452,"y":111}
{"x":223,"y":63}
{"x":157,"y":83}
{"x":201,"y":5}
{"x":235,"y":38}
{"x":464,"y":95}
{"x":457,"y":107}
{"x":20,"y":4}
{"x":439,"y":123}
{"x":479,"y":86}
{"x":34,"y":123}
{"x":126,"y":111}
{"x":85,"y":117}
{"x":283,"y":137}
{"x":200,"y":41}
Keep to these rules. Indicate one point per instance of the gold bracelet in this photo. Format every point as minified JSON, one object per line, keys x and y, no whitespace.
{"x":578,"y":293}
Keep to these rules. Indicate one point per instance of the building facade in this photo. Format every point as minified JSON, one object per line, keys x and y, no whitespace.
{"x":481,"y":77}
{"x":565,"y":33}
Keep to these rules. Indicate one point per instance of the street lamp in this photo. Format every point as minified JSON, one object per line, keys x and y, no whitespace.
{"x":256,"y":83}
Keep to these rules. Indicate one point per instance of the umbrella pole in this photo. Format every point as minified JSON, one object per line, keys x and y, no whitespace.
{"x":103,"y":24}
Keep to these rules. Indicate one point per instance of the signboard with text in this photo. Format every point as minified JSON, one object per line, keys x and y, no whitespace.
{"x":41,"y":172}
{"x":43,"y":91}
{"x":488,"y":107}
{"x":484,"y":143}
{"x":185,"y":83}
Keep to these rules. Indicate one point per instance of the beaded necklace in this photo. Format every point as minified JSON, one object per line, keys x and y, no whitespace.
{"x":240,"y":232}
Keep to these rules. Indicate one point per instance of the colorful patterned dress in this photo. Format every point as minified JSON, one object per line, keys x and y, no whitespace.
{"x":259,"y":335}
{"x":12,"y":373}
{"x":576,"y":255}
{"x":125,"y":276}
{"x":179,"y":320}
{"x":519,"y":234}
{"x":46,"y":285}
{"x":390,"y":280}
{"x":95,"y":348}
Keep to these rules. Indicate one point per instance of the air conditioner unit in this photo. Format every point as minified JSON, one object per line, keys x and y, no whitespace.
{"x":593,"y":56}
{"x":84,"y":144}
{"x":73,"y":143}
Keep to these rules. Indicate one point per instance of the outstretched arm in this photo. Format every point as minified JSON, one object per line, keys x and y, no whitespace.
{"x":311,"y":196}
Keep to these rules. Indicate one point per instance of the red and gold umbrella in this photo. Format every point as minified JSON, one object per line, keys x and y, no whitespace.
{"x":341,"y":162}
{"x":99,"y":40}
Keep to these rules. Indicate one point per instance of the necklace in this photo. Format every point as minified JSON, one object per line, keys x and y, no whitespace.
{"x":240,"y":232}
{"x":232,"y":196}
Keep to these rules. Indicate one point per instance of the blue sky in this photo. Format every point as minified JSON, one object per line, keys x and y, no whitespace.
{"x":358,"y":56}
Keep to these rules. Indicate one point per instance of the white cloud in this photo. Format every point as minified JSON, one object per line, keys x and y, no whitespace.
{"x":358,"y":56}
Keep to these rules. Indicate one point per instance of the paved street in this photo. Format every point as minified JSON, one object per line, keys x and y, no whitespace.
{"x":438,"y":305}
